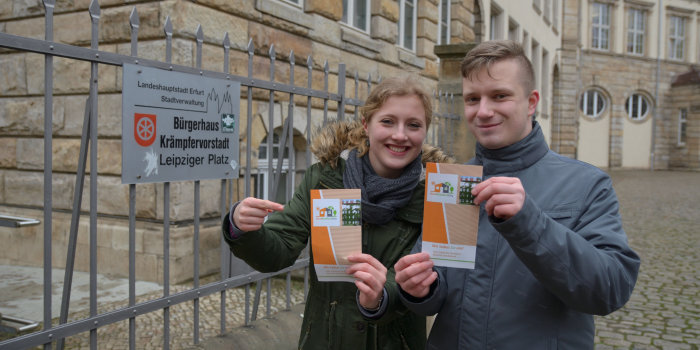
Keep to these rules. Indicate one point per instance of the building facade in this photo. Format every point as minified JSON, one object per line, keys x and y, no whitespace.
{"x":619,"y":61}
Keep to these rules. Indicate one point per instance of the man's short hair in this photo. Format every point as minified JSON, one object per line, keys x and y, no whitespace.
{"x":489,"y":52}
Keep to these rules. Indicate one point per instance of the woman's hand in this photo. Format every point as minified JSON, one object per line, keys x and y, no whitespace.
{"x":370,"y":276}
{"x":250,"y":213}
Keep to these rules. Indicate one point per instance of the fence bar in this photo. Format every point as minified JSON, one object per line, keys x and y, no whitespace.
{"x":288,"y":291}
{"x":48,"y":164}
{"x":309,"y":67}
{"x":325,"y":88}
{"x":290,"y":138}
{"x":357,"y":90}
{"x":249,"y":126}
{"x":94,"y":10}
{"x":166,"y":211}
{"x":134,"y":24}
{"x":270,"y":125}
{"x":268,"y":300}
{"x":195,"y":241}
{"x":256,"y":300}
{"x":75,"y":219}
{"x":103,"y":57}
{"x":247,"y":305}
{"x":225,"y":253}
{"x":341,"y":91}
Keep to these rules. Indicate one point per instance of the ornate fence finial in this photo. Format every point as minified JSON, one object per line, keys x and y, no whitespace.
{"x":226,"y":43}
{"x":134,"y":19}
{"x":168,"y":27}
{"x":251,"y":47}
{"x":94,"y":9}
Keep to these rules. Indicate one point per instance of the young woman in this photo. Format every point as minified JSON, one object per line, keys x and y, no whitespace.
{"x":381,"y":155}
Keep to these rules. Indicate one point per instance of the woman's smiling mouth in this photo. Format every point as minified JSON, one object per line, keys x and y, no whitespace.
{"x":397,"y":149}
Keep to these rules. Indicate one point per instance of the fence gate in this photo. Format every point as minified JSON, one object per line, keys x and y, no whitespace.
{"x":272,"y":178}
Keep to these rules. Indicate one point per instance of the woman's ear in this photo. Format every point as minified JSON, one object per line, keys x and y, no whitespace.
{"x":364,"y":124}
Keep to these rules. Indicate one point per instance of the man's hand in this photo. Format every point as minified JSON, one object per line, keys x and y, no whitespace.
{"x":370,"y":276}
{"x":504,"y":196}
{"x":251,"y":212}
{"x":414,"y":273}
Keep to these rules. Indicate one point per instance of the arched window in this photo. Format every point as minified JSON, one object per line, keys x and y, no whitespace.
{"x":637,"y":107}
{"x":592,"y":103}
{"x":262,"y":186}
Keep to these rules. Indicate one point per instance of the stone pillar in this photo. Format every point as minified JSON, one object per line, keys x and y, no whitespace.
{"x":450,"y":81}
{"x":565,"y":114}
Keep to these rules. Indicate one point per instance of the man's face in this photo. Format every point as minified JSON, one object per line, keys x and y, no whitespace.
{"x":496,"y":106}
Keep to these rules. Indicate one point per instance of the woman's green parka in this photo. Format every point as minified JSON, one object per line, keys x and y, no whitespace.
{"x":331,"y":317}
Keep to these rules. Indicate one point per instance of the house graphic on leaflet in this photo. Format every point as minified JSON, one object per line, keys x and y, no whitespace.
{"x":326,"y":212}
{"x":444,"y":187}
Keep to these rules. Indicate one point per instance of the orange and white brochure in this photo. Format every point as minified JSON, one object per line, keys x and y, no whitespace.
{"x":450,"y":218}
{"x":336,"y":232}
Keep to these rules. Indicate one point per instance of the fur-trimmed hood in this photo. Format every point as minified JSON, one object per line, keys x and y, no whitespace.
{"x":330,"y":141}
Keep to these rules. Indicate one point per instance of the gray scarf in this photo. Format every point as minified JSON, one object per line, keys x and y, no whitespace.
{"x":381,"y":197}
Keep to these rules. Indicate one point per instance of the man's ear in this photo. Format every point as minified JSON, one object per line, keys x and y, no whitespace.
{"x":532,"y":101}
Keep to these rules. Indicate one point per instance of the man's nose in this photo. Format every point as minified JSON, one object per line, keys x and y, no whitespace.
{"x":485,"y":109}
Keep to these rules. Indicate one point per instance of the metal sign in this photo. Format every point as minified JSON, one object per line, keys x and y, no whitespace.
{"x":178,"y":126}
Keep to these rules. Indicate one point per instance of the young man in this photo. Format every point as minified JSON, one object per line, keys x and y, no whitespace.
{"x":551,"y":251}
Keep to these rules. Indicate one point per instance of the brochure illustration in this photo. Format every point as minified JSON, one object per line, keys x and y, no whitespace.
{"x":336,"y":232}
{"x":450,"y":218}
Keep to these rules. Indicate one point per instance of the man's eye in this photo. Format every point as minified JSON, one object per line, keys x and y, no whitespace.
{"x":501,"y":96}
{"x":472,"y":99}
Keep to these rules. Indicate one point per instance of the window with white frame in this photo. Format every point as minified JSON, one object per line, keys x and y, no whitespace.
{"x":682,"y":126}
{"x":592,"y":103}
{"x":676,"y":38}
{"x":295,"y":3}
{"x":537,"y":5}
{"x":637,"y":107}
{"x":407,"y":24}
{"x":496,"y":23}
{"x":636,"y":30}
{"x":513,"y":30}
{"x":356,"y":14}
{"x":555,"y":14}
{"x":444,"y":27}
{"x":600,"y":26}
{"x":262,"y":188}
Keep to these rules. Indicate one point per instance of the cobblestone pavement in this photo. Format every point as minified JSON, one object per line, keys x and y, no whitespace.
{"x":661,"y":215}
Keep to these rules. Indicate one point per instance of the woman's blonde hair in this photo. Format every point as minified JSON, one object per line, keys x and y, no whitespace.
{"x":404,"y":86}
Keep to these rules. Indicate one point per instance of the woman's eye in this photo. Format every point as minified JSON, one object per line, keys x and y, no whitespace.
{"x":385,"y":121}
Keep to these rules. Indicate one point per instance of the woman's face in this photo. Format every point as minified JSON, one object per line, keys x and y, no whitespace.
{"x":396,"y":132}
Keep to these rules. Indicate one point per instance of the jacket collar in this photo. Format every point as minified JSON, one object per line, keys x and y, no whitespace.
{"x":413,"y":212}
{"x":515,"y":157}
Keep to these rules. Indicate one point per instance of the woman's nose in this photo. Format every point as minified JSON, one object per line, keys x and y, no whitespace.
{"x":399,"y":134}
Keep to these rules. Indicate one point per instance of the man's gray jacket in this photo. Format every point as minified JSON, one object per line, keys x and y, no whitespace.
{"x":542,"y":274}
